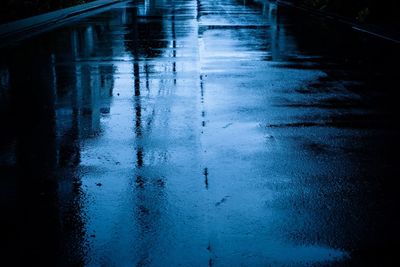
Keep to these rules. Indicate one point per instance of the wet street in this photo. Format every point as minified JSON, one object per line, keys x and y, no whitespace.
{"x":199,"y":133}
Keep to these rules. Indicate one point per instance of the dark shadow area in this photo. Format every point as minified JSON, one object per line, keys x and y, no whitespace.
{"x":11,"y":10}
{"x":366,"y":67}
{"x":379,"y":12}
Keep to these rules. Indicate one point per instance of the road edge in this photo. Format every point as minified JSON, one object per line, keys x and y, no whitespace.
{"x":14,"y":28}
{"x":357,"y":26}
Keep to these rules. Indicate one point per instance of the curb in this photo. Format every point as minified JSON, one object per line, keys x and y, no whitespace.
{"x":18,"y":27}
{"x":355,"y":25}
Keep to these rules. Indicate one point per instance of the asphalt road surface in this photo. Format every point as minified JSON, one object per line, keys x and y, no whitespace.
{"x":200,"y":133}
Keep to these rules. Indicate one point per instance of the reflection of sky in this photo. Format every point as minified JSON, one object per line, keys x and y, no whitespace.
{"x":107,"y":161}
{"x":154,"y":223}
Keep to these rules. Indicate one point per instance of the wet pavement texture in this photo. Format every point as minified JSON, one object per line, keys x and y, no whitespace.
{"x":199,"y":133}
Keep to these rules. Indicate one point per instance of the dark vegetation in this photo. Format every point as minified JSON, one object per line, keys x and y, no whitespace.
{"x":18,"y":9}
{"x":381,"y":12}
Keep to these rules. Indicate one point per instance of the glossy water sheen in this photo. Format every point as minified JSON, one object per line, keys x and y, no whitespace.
{"x":199,"y":133}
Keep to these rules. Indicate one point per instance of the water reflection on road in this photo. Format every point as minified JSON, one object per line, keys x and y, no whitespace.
{"x":198,"y":133}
